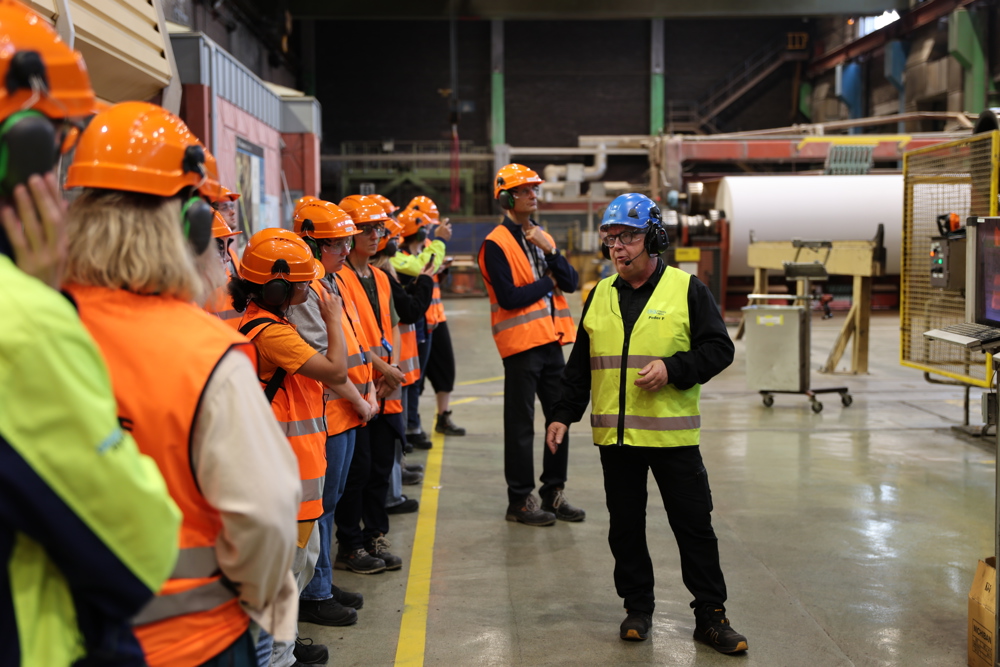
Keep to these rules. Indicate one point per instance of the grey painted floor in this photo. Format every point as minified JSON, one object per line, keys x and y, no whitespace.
{"x":848,"y":537}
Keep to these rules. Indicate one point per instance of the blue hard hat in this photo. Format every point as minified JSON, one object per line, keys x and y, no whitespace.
{"x":632,"y":210}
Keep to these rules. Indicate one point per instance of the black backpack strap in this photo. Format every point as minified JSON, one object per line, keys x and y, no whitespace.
{"x":274,"y":384}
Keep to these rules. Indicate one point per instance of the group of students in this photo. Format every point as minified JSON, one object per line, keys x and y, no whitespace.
{"x":240,"y":407}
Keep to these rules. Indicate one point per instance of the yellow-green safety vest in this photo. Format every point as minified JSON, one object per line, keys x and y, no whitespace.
{"x":622,"y":413}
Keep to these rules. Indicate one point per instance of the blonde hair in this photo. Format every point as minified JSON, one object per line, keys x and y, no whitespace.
{"x":136,"y":242}
{"x":385,"y":263}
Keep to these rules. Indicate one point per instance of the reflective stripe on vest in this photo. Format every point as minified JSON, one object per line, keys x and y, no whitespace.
{"x":303,"y":427}
{"x":195,"y":562}
{"x":200,"y":598}
{"x":409,"y":355}
{"x":312,"y":489}
{"x":522,"y":329}
{"x":668,"y":417}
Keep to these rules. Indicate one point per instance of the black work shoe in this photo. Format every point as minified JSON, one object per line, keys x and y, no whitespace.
{"x":419,"y":440}
{"x":410,"y":478}
{"x":408,"y":505}
{"x":307,"y":653}
{"x":558,"y":505}
{"x":635,"y":627}
{"x":346,"y":598}
{"x":447,"y":426}
{"x":413,"y":467}
{"x":528,"y":513}
{"x":326,"y":612}
{"x":379,"y":548}
{"x":359,"y":561}
{"x":715,"y":630}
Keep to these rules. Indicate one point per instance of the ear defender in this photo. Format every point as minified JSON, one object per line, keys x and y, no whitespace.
{"x":506,"y":200}
{"x":308,"y":226}
{"x":657,"y":240}
{"x":276,"y":292}
{"x":196,"y":217}
{"x":28,"y":146}
{"x":605,"y":251}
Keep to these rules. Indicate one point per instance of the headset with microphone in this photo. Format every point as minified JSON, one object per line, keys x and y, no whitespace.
{"x":656,"y":241}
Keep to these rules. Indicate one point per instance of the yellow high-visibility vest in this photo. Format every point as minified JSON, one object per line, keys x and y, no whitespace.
{"x":668,"y":417}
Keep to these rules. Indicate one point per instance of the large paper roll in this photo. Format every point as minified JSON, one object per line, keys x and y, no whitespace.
{"x":834,"y":208}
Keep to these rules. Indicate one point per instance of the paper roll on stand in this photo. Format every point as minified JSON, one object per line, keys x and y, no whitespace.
{"x":832,"y":208}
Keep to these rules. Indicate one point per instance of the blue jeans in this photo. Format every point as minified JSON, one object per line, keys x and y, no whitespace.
{"x":339,"y":451}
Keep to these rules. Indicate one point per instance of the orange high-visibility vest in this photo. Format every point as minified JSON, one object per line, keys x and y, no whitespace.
{"x":378,"y":332}
{"x":340,"y":414}
{"x":298,"y":407}
{"x":409,"y":355}
{"x":194,"y":616}
{"x":524,"y":328}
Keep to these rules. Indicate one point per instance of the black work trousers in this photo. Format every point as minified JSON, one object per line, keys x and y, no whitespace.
{"x":366,"y":487}
{"x":535,"y":371}
{"x":683,"y":483}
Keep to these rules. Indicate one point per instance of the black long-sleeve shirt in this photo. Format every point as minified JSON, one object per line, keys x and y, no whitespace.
{"x":711,"y":350}
{"x":412,"y":300}
{"x":501,"y":278}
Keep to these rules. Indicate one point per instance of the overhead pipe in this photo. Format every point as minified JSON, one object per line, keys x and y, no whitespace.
{"x":554,"y":172}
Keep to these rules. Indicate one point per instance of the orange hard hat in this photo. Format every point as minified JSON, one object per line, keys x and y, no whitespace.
{"x":220,"y":230}
{"x":393,"y":228}
{"x":225,"y":194}
{"x":425,"y":205}
{"x":32,"y":51}
{"x":389,"y":207}
{"x":363,"y":210}
{"x":302,"y":201}
{"x":211,"y":189}
{"x":412,"y":219}
{"x":137,"y":147}
{"x":512,"y":176}
{"x":324,"y":220}
{"x":276,"y":253}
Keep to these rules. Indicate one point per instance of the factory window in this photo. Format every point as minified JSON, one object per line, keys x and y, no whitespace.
{"x":869,"y":24}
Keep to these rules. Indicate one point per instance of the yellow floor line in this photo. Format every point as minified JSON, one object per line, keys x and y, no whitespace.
{"x":413,"y":625}
{"x":460,"y":401}
{"x":484,"y":380}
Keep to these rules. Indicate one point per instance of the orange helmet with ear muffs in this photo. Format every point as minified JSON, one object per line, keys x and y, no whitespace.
{"x":31,"y":49}
{"x":510,"y":177}
{"x":392,"y":229}
{"x":363,"y":210}
{"x":141,"y":147}
{"x":276,"y":258}
{"x":411,"y":220}
{"x":384,"y":202}
{"x":307,"y":199}
{"x":322,"y":220}
{"x":425,"y":205}
{"x":220,"y":230}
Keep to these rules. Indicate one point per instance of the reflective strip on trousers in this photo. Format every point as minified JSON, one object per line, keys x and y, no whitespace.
{"x":647,"y":423}
{"x":201,"y":598}
{"x":613,"y":362}
{"x":195,"y":563}
{"x":304,"y":427}
{"x":312,"y":489}
{"x":539,"y":314}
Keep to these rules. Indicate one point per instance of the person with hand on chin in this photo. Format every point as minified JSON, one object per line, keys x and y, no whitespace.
{"x":649,"y":337}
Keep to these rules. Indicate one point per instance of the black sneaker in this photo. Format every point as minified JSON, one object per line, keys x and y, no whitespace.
{"x":528,"y":513}
{"x":359,"y":561}
{"x":447,"y":426}
{"x":558,"y":505}
{"x":408,"y":505}
{"x":346,"y":598}
{"x":307,"y":653}
{"x":419,"y":440}
{"x":378,"y":547}
{"x":714,"y":629}
{"x":411,"y":478}
{"x":326,"y":612}
{"x":635,"y":627}
{"x":413,"y":467}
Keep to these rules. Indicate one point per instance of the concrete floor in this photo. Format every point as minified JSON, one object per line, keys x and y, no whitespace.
{"x":848,"y":537}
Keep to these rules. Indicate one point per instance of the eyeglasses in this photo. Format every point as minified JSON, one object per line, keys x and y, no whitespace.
{"x":625,"y":237}
{"x":339,"y":245}
{"x":523,"y":191}
{"x":366,"y":230}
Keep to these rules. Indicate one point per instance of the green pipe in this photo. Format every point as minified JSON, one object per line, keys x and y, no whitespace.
{"x":498,"y":119}
{"x":656,"y":103}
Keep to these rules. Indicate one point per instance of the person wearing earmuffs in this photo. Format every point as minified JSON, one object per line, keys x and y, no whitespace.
{"x":645,"y":413}
{"x":526,"y":276}
{"x":139,"y":246}
{"x":88,"y":530}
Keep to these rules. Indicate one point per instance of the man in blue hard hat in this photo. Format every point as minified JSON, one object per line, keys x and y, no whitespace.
{"x":648,"y":338}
